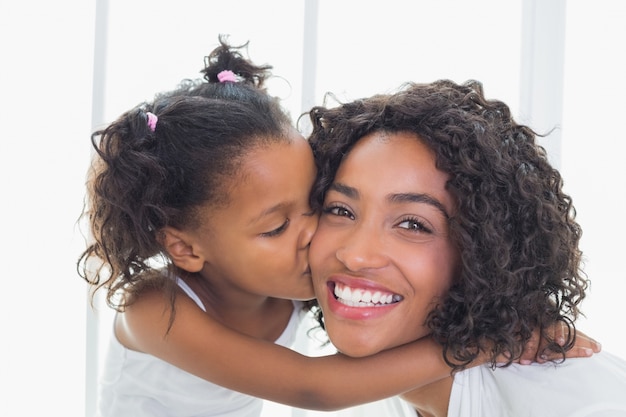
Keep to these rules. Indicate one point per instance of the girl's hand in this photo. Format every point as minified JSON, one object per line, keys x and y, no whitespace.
{"x":536,"y":350}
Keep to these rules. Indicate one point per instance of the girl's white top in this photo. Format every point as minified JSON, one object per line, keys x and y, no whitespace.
{"x":581,"y":387}
{"x":135,"y":384}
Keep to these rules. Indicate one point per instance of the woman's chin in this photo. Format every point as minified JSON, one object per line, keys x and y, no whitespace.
{"x":356,"y":350}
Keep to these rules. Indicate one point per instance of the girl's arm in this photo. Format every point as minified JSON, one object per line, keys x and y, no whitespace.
{"x":200,"y":345}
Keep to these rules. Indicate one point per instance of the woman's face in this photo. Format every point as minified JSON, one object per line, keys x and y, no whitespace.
{"x":382,"y":256}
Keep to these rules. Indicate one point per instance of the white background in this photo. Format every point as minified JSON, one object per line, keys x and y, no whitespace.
{"x":70,"y":65}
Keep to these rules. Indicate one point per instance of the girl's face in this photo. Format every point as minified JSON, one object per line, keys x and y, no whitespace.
{"x":382,"y":256}
{"x":259,"y":242}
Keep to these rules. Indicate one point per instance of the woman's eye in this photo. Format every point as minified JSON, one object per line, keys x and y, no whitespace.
{"x":414,"y":225}
{"x":338,"y":211}
{"x":277,"y":231}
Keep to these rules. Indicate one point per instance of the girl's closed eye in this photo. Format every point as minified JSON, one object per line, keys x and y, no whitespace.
{"x":276,"y":231}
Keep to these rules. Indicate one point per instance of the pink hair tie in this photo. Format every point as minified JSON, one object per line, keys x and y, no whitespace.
{"x":227,"y":76}
{"x":152,"y":120}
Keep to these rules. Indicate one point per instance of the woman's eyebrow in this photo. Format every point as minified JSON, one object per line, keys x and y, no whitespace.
{"x":353,"y":193}
{"x":346,"y":190}
{"x":418,"y":198}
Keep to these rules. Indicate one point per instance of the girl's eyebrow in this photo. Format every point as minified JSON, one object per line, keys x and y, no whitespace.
{"x":273,"y":209}
{"x":418,"y":198}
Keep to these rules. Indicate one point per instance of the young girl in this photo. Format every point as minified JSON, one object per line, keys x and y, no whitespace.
{"x":198,"y":205}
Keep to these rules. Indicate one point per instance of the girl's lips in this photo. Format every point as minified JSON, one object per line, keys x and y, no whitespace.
{"x":359,"y":300}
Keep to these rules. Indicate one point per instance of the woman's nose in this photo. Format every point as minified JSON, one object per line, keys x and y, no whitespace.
{"x":361,"y":248}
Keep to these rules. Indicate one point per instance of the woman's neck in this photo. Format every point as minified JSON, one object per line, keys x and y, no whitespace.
{"x":431,"y":400}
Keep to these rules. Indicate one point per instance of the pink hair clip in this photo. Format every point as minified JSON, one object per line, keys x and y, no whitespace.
{"x":227,"y":76}
{"x":152,"y":120}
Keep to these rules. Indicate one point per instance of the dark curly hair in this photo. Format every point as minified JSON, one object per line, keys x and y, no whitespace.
{"x":515,"y":227}
{"x":143,"y":180}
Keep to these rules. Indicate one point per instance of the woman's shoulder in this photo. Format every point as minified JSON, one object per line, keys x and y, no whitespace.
{"x":574,"y":387}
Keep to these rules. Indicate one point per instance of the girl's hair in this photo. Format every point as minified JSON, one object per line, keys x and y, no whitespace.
{"x":514,"y":227}
{"x":146,"y":176}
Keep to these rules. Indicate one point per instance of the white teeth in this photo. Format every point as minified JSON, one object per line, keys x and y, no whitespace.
{"x":364,"y":298}
{"x":344,"y":293}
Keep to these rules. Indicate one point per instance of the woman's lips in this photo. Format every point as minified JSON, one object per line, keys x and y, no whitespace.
{"x":358,"y":302}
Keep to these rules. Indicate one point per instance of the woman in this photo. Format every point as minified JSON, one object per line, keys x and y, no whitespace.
{"x":442,"y":216}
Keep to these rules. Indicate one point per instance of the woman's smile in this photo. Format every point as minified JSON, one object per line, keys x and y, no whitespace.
{"x":356,"y":299}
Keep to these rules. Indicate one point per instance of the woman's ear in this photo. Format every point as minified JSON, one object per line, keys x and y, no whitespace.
{"x":180,"y":247}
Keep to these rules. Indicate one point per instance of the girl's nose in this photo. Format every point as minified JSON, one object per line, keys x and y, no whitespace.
{"x":309,"y":229}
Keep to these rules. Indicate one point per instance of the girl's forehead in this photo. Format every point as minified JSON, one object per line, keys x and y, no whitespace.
{"x":280,"y":168}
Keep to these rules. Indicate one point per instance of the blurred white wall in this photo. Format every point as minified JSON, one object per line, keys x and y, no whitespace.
{"x":48,"y":84}
{"x":594,"y":157}
{"x":46,"y":53}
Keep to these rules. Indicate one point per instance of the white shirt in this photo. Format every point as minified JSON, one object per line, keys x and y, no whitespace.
{"x":136,"y":384}
{"x":581,"y":387}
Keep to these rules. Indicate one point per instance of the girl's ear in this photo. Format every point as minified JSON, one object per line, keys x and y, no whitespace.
{"x":180,"y":248}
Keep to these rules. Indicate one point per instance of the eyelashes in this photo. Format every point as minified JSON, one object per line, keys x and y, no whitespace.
{"x":410,"y":223}
{"x":338,"y":210}
{"x":415,"y":224}
{"x":277,"y":231}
